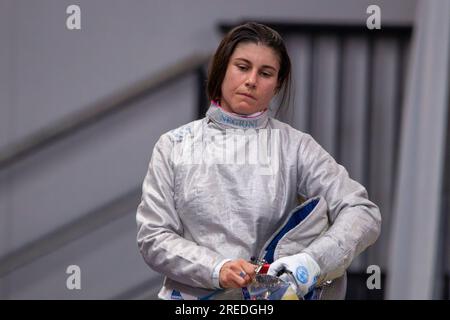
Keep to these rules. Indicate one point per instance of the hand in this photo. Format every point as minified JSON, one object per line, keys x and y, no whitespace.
{"x":236,"y":274}
{"x":303,"y":268}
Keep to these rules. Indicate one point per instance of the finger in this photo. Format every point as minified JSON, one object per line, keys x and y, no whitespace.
{"x":249,"y":269}
{"x":285,"y":277}
{"x":233,"y":280}
{"x":238,"y":280}
{"x":239,"y":269}
{"x":226,"y":276}
{"x":229,"y":283}
{"x":247,"y":278}
{"x":243,"y":270}
{"x":275,"y":268}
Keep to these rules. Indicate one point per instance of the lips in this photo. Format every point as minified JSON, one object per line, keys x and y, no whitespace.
{"x":247,"y":95}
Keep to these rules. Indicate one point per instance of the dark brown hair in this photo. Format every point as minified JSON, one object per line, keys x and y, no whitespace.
{"x":254,"y":33}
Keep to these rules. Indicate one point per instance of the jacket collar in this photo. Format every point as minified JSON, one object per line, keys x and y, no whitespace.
{"x":229,"y":120}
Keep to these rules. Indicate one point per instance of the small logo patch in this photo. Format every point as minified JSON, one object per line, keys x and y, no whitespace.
{"x":302,"y":274}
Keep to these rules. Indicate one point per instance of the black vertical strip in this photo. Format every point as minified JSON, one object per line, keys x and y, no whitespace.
{"x":339,"y":100}
{"x":202,"y":99}
{"x":441,"y":288}
{"x":445,"y":212}
{"x":311,"y":84}
{"x":446,"y":289}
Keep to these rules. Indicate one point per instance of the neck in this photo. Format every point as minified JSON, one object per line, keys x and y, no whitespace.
{"x":231,"y":120}
{"x":255,"y":114}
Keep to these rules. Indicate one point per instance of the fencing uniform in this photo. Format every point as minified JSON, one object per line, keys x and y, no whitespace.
{"x":219,"y":188}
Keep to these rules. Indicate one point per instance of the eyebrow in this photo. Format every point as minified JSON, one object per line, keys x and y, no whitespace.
{"x":264,"y":66}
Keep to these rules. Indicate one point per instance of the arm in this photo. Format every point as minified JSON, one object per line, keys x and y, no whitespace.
{"x":355,"y":221}
{"x":160,"y":231}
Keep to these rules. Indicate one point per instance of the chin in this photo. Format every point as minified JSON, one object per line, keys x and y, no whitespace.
{"x":244,"y":108}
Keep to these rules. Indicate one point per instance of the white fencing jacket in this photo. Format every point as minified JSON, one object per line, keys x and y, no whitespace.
{"x":221,"y":188}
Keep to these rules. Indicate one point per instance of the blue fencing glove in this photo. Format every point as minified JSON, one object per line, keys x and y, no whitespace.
{"x":300,"y":270}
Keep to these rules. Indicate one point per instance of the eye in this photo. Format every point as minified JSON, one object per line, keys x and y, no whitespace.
{"x":242,"y":67}
{"x":266,"y":74}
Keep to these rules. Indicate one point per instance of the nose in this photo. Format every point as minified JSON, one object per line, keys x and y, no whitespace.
{"x":251,"y":80}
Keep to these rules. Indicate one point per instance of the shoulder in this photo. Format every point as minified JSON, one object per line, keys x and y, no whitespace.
{"x":288,"y":131}
{"x":301,"y":142}
{"x":169,"y":140}
{"x":178,"y":134}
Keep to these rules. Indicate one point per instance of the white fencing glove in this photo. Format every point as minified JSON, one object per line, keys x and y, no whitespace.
{"x":304,"y":272}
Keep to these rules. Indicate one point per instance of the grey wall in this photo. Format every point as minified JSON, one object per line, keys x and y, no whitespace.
{"x":52,"y":71}
{"x":47,"y":72}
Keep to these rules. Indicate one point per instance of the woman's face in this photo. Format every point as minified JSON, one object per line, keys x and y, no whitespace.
{"x":250,"y":81}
